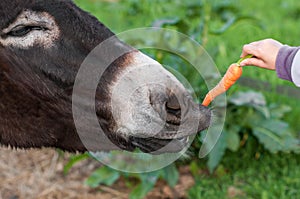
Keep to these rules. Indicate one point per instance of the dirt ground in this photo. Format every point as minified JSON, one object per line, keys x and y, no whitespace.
{"x":38,"y":174}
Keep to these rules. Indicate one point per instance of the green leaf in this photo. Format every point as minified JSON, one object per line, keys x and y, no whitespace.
{"x":150,"y":177}
{"x":264,"y":110}
{"x":278,"y":111}
{"x":166,"y":21}
{"x":196,"y":192}
{"x":276,"y":126}
{"x":248,"y":98}
{"x":171,"y":175}
{"x":233,"y":138}
{"x":270,"y":141}
{"x":226,"y":26}
{"x":103,"y":175}
{"x":148,"y":181}
{"x":194,"y":168}
{"x":73,"y":160}
{"x":215,"y":156}
{"x":274,"y":135}
{"x":141,"y":190}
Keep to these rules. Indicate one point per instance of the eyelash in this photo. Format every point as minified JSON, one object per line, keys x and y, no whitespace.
{"x":21,"y":31}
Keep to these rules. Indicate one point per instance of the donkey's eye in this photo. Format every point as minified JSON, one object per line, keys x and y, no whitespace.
{"x":30,"y":28}
{"x":21,"y":30}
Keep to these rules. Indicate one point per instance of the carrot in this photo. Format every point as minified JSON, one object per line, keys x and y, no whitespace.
{"x":233,"y":73}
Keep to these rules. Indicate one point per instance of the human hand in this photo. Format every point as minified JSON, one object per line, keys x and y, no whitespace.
{"x":265,"y":53}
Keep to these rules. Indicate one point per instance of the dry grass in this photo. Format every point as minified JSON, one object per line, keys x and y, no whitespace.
{"x":38,"y":174}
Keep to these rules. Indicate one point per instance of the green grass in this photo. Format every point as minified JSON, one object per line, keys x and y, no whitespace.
{"x":269,"y":177}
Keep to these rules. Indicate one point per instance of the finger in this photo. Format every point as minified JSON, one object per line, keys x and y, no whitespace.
{"x":244,"y":52}
{"x":256,"y":43}
{"x":249,"y":49}
{"x":253,"y":62}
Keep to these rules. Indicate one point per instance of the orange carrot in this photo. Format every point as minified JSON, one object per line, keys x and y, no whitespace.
{"x":233,"y":73}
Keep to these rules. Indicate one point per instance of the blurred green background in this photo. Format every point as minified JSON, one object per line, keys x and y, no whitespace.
{"x":257,"y":154}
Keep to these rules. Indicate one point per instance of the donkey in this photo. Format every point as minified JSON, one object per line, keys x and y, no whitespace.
{"x":42,"y":46}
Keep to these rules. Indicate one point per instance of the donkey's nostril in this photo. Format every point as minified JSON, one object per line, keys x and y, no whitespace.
{"x":166,"y":105}
{"x":176,"y":112}
{"x":173,"y":106}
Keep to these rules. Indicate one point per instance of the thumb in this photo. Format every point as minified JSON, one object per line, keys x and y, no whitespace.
{"x":249,"y":49}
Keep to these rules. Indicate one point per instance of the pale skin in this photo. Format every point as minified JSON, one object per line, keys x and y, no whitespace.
{"x":264,"y":52}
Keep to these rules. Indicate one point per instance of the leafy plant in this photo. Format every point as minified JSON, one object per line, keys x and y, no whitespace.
{"x":103,"y":175}
{"x":205,"y":18}
{"x":146,"y":181}
{"x":73,"y":160}
{"x":249,"y":115}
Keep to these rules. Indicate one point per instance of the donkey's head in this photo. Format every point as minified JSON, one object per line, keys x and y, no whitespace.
{"x":42,"y":46}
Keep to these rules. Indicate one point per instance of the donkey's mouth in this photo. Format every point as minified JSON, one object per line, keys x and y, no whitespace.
{"x":158,"y":146}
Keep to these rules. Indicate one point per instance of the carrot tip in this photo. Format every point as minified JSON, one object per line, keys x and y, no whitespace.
{"x":207,"y":100}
